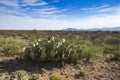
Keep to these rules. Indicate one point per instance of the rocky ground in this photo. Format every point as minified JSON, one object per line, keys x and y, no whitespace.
{"x":102,"y":70}
{"x":95,"y":70}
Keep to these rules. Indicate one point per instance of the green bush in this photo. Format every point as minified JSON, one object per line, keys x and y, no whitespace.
{"x":19,"y":73}
{"x":117,"y":55}
{"x":82,"y":73}
{"x":43,"y":70}
{"x":91,"y":51}
{"x":11,"y":47}
{"x":56,"y":77}
{"x":35,"y":76}
{"x":108,"y":49}
{"x":114,"y":51}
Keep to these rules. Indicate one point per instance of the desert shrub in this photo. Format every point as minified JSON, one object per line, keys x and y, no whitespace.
{"x":109,"y":49}
{"x":91,"y":51}
{"x":43,"y":70}
{"x":11,"y":47}
{"x":20,"y":73}
{"x":82,"y":73}
{"x":116,"y":54}
{"x":78,"y":66}
{"x":35,"y":76}
{"x":56,"y":77}
{"x":113,"y":41}
{"x":113,"y":50}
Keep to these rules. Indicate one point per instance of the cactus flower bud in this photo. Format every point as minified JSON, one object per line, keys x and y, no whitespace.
{"x":53,"y":38}
{"x":24,"y":49}
{"x":33,"y":45}
{"x":37,"y":43}
{"x":59,"y":43}
{"x":63,"y":40}
{"x":39,"y":40}
{"x":49,"y":41}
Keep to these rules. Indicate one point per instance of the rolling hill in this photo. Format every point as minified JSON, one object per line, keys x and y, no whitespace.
{"x":94,"y":29}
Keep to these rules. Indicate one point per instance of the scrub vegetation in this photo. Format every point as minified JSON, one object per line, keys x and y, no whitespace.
{"x":40,"y":55}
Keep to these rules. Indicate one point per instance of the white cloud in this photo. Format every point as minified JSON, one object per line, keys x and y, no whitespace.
{"x":114,"y":9}
{"x":105,"y":16}
{"x":101,"y":21}
{"x":34,"y":3}
{"x":9,"y":2}
{"x":95,"y":8}
{"x":11,"y":7}
{"x":30,"y":1}
{"x":98,"y":21}
{"x":103,"y":9}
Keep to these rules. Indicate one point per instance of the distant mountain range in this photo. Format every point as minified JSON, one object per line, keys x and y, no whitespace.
{"x":94,"y":29}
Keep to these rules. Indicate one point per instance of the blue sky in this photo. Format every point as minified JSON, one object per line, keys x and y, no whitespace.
{"x":59,"y":14}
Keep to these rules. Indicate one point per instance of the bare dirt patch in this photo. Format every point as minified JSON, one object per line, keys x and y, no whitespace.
{"x":95,"y":69}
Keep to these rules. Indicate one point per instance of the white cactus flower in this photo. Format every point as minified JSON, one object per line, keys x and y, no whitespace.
{"x":39,"y":40}
{"x":49,"y":41}
{"x":53,"y":37}
{"x":60,"y":43}
{"x":33,"y":45}
{"x":37,"y":43}
{"x":24,"y":49}
{"x":63,"y":40}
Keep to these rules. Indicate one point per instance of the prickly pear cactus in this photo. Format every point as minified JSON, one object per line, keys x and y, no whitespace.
{"x":49,"y":45}
{"x":42,"y":50}
{"x":51,"y":50}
